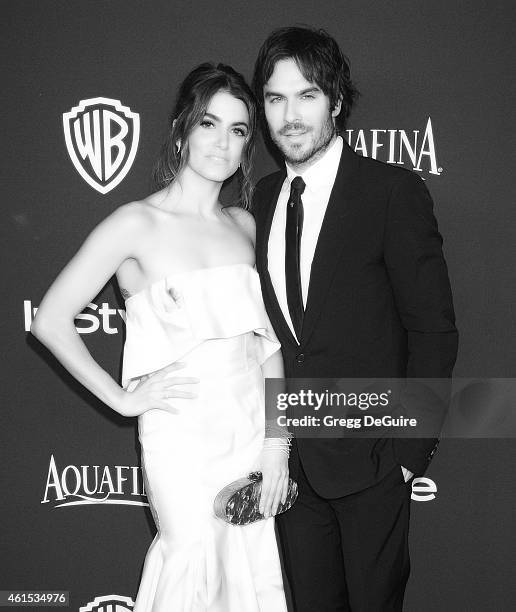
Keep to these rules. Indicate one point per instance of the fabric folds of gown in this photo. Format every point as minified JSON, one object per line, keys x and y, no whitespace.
{"x":212,"y":320}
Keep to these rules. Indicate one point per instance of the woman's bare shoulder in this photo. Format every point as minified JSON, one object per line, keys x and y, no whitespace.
{"x":244,"y":219}
{"x":136,"y":215}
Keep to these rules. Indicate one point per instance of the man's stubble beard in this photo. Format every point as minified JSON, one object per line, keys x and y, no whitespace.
{"x":315,"y":152}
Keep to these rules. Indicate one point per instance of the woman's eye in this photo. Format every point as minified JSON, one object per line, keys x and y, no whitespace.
{"x":206,"y":123}
{"x":240,"y":132}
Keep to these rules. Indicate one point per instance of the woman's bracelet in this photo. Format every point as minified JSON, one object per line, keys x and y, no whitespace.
{"x":281,"y":444}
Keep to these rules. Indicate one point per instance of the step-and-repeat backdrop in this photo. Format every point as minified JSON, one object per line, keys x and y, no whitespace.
{"x":435,"y":78}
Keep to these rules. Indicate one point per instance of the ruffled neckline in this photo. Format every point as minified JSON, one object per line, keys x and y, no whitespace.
{"x":178,"y":312}
{"x":194,"y":271}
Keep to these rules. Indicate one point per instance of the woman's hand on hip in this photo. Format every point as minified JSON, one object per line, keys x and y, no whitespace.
{"x":153,"y":391}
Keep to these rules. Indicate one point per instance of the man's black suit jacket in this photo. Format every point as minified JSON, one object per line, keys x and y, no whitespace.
{"x":379,"y":305}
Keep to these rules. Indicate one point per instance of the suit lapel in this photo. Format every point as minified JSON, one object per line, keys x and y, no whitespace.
{"x":262,"y":246}
{"x":331,"y":238}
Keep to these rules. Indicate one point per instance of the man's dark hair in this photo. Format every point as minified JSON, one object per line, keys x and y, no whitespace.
{"x":319,"y":59}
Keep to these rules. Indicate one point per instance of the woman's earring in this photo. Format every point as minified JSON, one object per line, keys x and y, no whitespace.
{"x":178,"y":146}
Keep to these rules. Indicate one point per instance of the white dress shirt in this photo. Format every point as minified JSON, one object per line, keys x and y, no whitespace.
{"x":319,"y":179}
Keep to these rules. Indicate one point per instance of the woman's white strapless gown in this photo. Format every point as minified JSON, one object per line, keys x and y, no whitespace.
{"x":213,"y":320}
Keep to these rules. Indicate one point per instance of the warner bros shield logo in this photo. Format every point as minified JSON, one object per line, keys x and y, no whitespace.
{"x":109,"y":603}
{"x":102,"y":138}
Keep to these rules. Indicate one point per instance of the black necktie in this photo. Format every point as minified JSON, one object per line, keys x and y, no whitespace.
{"x":293,"y":230}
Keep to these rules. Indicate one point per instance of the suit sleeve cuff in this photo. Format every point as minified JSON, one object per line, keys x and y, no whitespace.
{"x":415,"y":454}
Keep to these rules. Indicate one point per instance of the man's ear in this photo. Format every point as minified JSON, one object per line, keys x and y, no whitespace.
{"x":335,"y":112}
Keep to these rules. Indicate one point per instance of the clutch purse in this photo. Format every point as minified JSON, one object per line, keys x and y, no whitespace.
{"x":238,"y":502}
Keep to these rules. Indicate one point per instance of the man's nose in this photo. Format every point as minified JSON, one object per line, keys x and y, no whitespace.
{"x":292,"y":113}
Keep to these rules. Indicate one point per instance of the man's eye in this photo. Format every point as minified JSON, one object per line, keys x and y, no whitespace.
{"x":308,"y":97}
{"x":275,"y":99}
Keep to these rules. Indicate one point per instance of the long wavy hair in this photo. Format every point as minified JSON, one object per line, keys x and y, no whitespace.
{"x":193,"y":98}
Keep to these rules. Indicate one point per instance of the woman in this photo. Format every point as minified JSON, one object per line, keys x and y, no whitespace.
{"x":197,"y":348}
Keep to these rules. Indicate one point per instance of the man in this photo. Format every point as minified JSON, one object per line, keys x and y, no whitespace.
{"x":356,"y":286}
